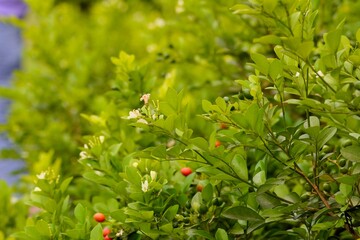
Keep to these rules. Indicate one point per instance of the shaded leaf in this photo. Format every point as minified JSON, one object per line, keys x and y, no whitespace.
{"x":171,"y":212}
{"x":242,"y":213}
{"x":325,"y":135}
{"x":351,"y":153}
{"x":240,"y":166}
{"x":221,"y":234}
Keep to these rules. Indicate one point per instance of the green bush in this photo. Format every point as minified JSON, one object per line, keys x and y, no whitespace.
{"x":272,"y":155}
{"x":67,"y":66}
{"x":13,"y":212}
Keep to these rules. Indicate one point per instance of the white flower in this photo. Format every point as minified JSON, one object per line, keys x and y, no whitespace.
{"x":297,"y":74}
{"x":170,"y":143}
{"x":83,"y":155}
{"x":42,"y":175}
{"x":101,"y":174}
{"x":14,"y":199}
{"x":135,"y":164}
{"x":179,"y":7}
{"x":320,"y":73}
{"x":145,"y":186}
{"x":150,"y":48}
{"x":159,"y":22}
{"x":145,"y":98}
{"x":153,"y":175}
{"x":120,"y":233}
{"x":141,"y":120}
{"x":37,"y":189}
{"x":134,"y":114}
{"x":101,"y":138}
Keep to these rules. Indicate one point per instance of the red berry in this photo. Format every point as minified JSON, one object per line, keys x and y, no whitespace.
{"x":99,"y":217}
{"x":217,"y":143}
{"x":107,"y":237}
{"x":106,"y":231}
{"x":199,"y":188}
{"x":186,"y":171}
{"x":223,"y":126}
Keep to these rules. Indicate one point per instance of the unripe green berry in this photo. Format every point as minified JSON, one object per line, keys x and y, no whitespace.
{"x":327,"y":187}
{"x":342,"y":162}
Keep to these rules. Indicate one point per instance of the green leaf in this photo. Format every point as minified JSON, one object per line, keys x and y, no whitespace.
{"x":340,"y":198}
{"x":243,"y":9}
{"x":298,"y":148}
{"x":332,"y":40}
{"x":345,"y":189}
{"x":114,"y":149}
{"x":118,"y":215}
{"x":323,"y":226}
{"x":150,"y":233}
{"x":65,"y":184}
{"x":49,"y":205}
{"x":305,"y":49}
{"x":314,"y":122}
{"x":207,"y":192}
{"x":358,"y":35}
{"x":223,"y":177}
{"x":355,"y":59}
{"x":76,"y":233}
{"x":220,"y":102}
{"x":240,"y":120}
{"x":221,"y":234}
{"x":239,"y":165}
{"x":242,"y":213}
{"x":96,"y":233}
{"x":206,"y":105}
{"x":170,"y":213}
{"x":43,"y":228}
{"x":281,"y":190}
{"x":92,"y":176}
{"x":350,"y":180}
{"x":325,"y":135}
{"x":267,"y":201}
{"x":20,"y":235}
{"x":159,"y":152}
{"x":32,"y":232}
{"x":201,"y":233}
{"x":66,"y":204}
{"x":268,"y":39}
{"x":270,"y":5}
{"x":260,"y":178}
{"x":132,"y":175}
{"x":147,"y":215}
{"x":351,"y":153}
{"x":255,"y":116}
{"x":211,"y":171}
{"x":173,"y":98}
{"x":275,"y":69}
{"x":168,"y":227}
{"x":196,"y":201}
{"x":80,"y":213}
{"x":261,"y":62}
{"x":292,"y":43}
{"x":112,"y":204}
{"x":200,"y":143}
{"x":167,"y":109}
